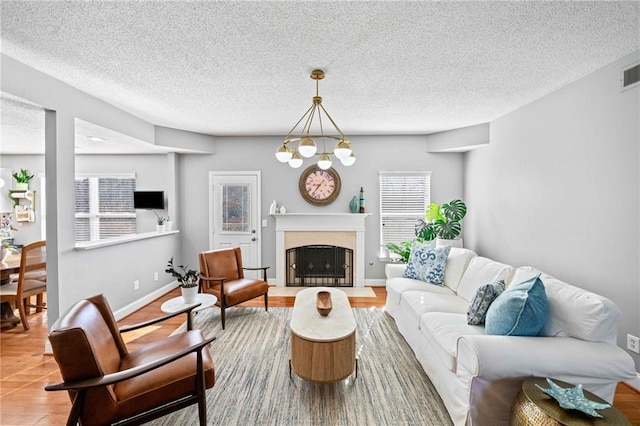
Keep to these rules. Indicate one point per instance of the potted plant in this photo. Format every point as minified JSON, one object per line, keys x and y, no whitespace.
{"x":445,"y":219}
{"x":187,"y":279}
{"x":160,"y":222}
{"x":22,"y":179}
{"x":442,"y":224}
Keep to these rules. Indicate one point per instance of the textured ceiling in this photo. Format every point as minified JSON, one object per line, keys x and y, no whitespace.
{"x":242,"y":68}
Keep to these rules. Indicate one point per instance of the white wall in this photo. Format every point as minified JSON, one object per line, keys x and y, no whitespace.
{"x":558,"y":189}
{"x":280,"y":182}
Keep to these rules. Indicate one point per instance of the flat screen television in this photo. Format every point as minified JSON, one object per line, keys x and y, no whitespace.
{"x":152,"y":200}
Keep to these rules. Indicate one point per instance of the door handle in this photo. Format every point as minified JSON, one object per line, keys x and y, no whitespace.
{"x":253,"y":239}
{"x":253,"y":231}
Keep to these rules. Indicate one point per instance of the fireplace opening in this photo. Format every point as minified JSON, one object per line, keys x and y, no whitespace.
{"x":319,"y":265}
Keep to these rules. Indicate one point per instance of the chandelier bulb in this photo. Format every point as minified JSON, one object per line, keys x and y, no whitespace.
{"x":296,"y":160}
{"x":349,"y":161}
{"x":307,"y":147}
{"x":284,"y":153}
{"x":342,"y":149}
{"x":324,"y":162}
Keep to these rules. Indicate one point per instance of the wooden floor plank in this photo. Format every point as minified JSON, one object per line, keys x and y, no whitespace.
{"x":25,"y":371}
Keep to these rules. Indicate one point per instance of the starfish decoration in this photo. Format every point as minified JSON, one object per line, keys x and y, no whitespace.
{"x":573,"y":398}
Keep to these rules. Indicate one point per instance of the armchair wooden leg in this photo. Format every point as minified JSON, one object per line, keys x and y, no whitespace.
{"x":222,"y":315}
{"x":202,"y":400}
{"x":74,"y":415}
{"x":266,"y":301}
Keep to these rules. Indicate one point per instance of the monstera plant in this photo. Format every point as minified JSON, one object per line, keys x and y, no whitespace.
{"x":442,"y":221}
{"x":445,"y":218}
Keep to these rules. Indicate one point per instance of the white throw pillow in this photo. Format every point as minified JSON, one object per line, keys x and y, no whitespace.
{"x":480,"y":271}
{"x":457,"y":263}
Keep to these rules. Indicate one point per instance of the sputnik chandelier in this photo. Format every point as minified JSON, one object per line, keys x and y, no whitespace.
{"x":311,"y":134}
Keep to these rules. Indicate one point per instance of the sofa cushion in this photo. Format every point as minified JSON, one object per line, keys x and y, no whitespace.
{"x":417,"y":303}
{"x":574,"y":312}
{"x":427,"y":263}
{"x":442,"y":330}
{"x":457,"y":263}
{"x":479,"y":272}
{"x":483,"y":298}
{"x":397,"y":286}
{"x":521,"y":310}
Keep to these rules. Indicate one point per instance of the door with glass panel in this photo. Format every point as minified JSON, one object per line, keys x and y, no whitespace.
{"x":234,"y":217}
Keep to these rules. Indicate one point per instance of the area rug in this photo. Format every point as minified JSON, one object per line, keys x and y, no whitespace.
{"x":253,"y":386}
{"x":351,"y":291}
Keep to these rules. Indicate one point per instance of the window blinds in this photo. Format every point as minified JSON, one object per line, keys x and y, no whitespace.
{"x":104,"y":207}
{"x":404,"y":197}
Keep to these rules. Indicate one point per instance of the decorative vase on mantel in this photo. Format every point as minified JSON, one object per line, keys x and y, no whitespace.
{"x":354,"y":205}
{"x":189,"y":294}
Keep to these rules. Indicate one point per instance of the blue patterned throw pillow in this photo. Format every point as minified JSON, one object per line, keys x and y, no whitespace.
{"x":483,"y":298}
{"x":427,"y":263}
{"x":521,"y":310}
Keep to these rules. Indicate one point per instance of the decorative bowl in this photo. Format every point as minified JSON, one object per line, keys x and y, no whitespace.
{"x":323,"y":303}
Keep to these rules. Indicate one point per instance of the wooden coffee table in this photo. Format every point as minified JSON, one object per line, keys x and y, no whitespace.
{"x":323,"y":349}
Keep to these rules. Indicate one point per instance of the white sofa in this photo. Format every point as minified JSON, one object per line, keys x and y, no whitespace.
{"x":477,"y":375}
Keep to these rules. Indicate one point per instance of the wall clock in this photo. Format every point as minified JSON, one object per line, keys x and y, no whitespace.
{"x":319,"y":187}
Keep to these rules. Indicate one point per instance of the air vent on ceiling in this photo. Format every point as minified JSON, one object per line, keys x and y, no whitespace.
{"x":630,"y":76}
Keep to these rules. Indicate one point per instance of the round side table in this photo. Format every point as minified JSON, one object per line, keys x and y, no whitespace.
{"x":534,"y":407}
{"x":175,"y":304}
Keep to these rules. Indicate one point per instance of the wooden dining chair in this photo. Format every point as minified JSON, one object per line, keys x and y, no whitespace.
{"x":222,"y":274}
{"x":31,"y":281}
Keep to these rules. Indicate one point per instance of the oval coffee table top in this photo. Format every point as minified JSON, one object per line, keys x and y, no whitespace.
{"x":307,"y":323}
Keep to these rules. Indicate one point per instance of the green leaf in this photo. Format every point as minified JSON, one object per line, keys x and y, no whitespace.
{"x":433,"y":212}
{"x":454,"y":210}
{"x":448,"y":230}
{"x":425,"y":231}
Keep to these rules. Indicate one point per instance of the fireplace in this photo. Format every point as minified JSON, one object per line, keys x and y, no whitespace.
{"x":344,"y":230}
{"x":319,"y":265}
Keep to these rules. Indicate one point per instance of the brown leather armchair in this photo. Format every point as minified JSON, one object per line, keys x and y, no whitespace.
{"x":109,"y":384}
{"x":222,"y":274}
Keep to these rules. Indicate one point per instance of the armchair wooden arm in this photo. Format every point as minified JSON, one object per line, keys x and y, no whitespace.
{"x":263,"y":268}
{"x":186,"y":310}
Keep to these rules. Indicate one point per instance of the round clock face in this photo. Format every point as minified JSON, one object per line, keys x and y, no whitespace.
{"x":319,"y":187}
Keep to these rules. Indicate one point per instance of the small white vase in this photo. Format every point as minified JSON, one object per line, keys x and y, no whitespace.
{"x":274,"y":208}
{"x":22,"y":186}
{"x":160,"y":228}
{"x":168,"y":225}
{"x":189,"y":294}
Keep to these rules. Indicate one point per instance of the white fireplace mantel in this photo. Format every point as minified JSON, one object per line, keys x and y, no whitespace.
{"x":319,"y":222}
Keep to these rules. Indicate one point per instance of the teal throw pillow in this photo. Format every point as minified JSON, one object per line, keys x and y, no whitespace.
{"x":521,"y":310}
{"x":483,"y":298}
{"x":427,"y":263}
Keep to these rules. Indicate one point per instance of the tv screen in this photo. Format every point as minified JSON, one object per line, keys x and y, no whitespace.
{"x":148,"y":200}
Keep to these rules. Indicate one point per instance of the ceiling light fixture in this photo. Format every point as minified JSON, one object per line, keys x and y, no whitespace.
{"x":311,"y":134}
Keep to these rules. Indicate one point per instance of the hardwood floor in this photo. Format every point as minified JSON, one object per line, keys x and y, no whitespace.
{"x":25,"y":371}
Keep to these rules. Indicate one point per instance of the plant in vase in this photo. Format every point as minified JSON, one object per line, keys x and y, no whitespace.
{"x":160,"y":222}
{"x":442,"y":223}
{"x":187,"y":279}
{"x":22,"y":179}
{"x":445,"y":220}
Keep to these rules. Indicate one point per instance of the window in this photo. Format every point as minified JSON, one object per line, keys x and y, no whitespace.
{"x":104,"y":207}
{"x":404,"y":196}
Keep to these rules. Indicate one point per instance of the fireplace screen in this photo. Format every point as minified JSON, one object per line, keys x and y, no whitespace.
{"x":320,"y":265}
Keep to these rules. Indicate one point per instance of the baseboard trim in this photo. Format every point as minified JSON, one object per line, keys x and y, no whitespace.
{"x":635,"y":383}
{"x":381,"y":282}
{"x":143,"y":301}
